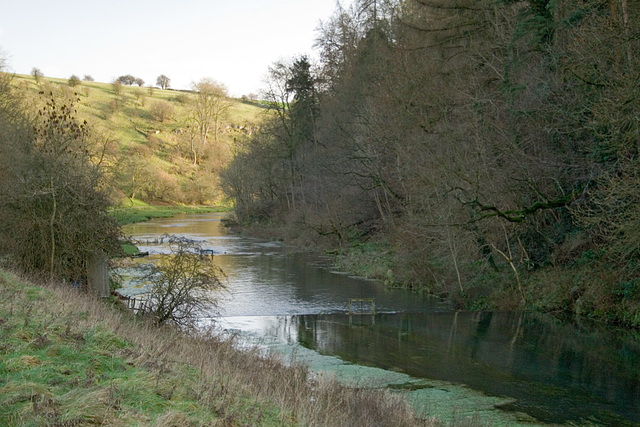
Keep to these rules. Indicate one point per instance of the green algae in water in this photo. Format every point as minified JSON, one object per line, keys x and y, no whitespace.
{"x":448,"y":402}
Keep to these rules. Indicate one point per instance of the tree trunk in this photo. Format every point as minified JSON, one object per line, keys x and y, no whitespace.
{"x":195,"y":153}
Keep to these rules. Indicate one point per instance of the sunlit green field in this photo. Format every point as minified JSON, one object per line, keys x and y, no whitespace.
{"x":147,"y":134}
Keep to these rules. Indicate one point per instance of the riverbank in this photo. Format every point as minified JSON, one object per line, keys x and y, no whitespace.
{"x":70,"y":359}
{"x":139,"y":211}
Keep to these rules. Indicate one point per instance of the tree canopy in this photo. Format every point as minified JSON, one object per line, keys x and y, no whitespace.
{"x":163,"y":81}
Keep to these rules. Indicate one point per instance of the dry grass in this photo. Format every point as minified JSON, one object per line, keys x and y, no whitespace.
{"x":192,"y":378}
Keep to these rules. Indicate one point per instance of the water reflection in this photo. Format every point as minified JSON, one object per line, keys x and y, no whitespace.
{"x":557,"y":373}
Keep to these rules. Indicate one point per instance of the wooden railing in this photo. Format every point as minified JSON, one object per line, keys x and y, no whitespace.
{"x":137,"y":305}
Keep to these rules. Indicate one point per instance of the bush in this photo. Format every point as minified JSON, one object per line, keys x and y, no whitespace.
{"x":185,"y":284}
{"x":74,"y":80}
{"x":53,"y":208}
{"x":162,"y":110}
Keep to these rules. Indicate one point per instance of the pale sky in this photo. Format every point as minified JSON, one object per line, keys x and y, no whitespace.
{"x":233,"y":42}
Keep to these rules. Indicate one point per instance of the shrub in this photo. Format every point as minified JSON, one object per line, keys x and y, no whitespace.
{"x":53,"y":209}
{"x":74,"y":81}
{"x":162,"y":110}
{"x":185,"y":284}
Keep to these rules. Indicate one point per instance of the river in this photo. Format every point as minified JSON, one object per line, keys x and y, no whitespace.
{"x":498,"y":368}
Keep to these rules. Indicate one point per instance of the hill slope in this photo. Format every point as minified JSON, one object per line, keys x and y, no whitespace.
{"x":149,"y":139}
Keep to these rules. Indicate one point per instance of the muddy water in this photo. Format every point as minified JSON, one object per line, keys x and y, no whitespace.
{"x":496,"y":367}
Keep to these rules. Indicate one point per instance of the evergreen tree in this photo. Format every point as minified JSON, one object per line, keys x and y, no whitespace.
{"x":304,"y":109}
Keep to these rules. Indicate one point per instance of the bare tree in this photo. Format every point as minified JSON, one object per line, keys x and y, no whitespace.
{"x":134,"y":173}
{"x":480,"y":132}
{"x":163,"y":81}
{"x":127,"y":79}
{"x":185,"y":284}
{"x":37,"y":74}
{"x":210,"y":105}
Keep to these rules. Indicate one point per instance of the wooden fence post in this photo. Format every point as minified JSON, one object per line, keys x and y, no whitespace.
{"x":98,"y":273}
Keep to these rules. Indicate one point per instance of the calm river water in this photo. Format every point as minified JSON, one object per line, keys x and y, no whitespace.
{"x":504,"y":368}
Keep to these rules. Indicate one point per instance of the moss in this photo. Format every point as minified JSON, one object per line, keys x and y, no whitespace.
{"x":130,"y":249}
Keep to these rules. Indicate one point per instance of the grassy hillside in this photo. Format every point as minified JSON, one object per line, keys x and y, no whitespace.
{"x":148,"y":139}
{"x":69,"y":359}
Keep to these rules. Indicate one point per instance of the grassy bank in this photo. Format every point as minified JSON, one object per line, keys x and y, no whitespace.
{"x":139,"y":211}
{"x":588,"y":291}
{"x":69,"y":359}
